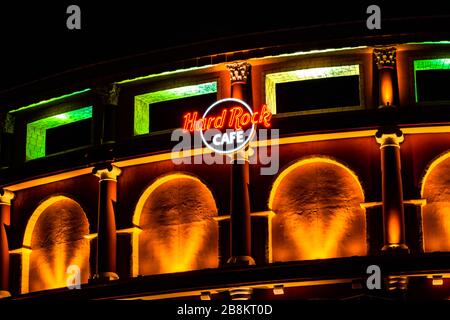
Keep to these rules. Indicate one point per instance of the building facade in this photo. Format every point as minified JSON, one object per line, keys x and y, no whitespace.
{"x":89,"y":178}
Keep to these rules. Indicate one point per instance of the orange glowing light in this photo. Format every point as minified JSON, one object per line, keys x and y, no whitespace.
{"x":387,"y":88}
{"x":259,"y":143}
{"x":318,"y":213}
{"x":436,"y":212}
{"x":306,"y":161}
{"x":437,"y":280}
{"x":48,"y":266}
{"x":56,"y":235}
{"x":179,"y":233}
{"x":394,"y":230}
{"x":193,"y":152}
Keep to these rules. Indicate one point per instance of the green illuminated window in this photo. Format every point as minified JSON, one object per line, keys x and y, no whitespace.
{"x":431,"y":78}
{"x":143,"y":102}
{"x":36,"y":131}
{"x":285,"y":77}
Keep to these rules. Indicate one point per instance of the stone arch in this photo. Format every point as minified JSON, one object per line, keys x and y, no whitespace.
{"x":179,"y":233}
{"x":55,"y":238}
{"x":435,"y":189}
{"x":318,"y":213}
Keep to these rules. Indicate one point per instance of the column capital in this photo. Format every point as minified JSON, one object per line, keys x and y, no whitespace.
{"x":392,"y":139}
{"x":109,"y":94}
{"x":239,"y":72}
{"x":6,"y":196}
{"x":385,"y":57}
{"x":108,"y":172}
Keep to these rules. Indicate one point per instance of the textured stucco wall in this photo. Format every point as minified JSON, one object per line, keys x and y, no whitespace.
{"x":318,"y":214}
{"x":179,"y":232}
{"x":56,"y":243}
{"x":436,"y":213}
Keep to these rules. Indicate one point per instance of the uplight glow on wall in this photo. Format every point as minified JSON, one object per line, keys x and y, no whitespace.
{"x":180,"y":239}
{"x":36,"y":131}
{"x":430,"y":64}
{"x":142,"y":102}
{"x":307,"y":225}
{"x":272,"y":79}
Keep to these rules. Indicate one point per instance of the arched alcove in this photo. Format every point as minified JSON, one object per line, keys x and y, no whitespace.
{"x":176,"y":214}
{"x":435,"y":189}
{"x":317,"y":209}
{"x":55,"y":234}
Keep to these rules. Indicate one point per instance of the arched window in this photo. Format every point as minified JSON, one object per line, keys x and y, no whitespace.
{"x":436,"y":212}
{"x":176,"y":214}
{"x":318,"y":213}
{"x":55,"y":233}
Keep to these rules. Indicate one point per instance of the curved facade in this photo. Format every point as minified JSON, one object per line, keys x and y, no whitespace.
{"x":90,"y":177}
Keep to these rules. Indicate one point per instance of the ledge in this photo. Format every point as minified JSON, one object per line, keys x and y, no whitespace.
{"x":320,"y":272}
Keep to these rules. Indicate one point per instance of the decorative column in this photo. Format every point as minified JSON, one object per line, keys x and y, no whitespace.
{"x":385,"y":59}
{"x":392,"y":191}
{"x":240,"y":223}
{"x":6,"y":138}
{"x":107,"y":97}
{"x":106,"y":238}
{"x":5,"y":212}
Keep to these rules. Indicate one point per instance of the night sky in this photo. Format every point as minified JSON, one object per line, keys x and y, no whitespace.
{"x":35,"y":42}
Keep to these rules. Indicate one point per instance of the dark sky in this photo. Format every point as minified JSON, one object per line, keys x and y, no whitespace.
{"x":36,"y":43}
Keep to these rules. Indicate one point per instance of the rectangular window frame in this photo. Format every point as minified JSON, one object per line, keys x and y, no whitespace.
{"x":36,"y":130}
{"x":272,"y":78}
{"x":431,"y":63}
{"x":141,"y":102}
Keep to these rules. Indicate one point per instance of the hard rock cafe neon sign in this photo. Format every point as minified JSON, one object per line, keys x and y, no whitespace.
{"x":227,"y":125}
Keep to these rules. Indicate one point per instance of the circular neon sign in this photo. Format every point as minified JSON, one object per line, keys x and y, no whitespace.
{"x":235,"y":115}
{"x":227,"y":125}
